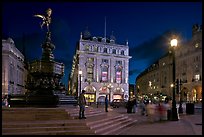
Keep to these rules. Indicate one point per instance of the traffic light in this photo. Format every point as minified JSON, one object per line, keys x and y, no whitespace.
{"x":177,"y":86}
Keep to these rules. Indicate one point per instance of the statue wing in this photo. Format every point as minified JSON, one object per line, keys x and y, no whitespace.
{"x":40,"y":16}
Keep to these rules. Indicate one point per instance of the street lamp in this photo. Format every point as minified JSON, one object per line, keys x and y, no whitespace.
{"x":174,"y":115}
{"x":80,"y":73}
{"x":110,"y":87}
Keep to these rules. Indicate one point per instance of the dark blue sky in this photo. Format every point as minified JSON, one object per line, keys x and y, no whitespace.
{"x":147,"y":26}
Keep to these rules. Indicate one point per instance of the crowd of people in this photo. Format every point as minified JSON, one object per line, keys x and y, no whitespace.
{"x":155,"y":111}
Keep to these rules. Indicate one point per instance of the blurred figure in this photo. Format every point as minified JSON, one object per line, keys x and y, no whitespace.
{"x":167,"y":109}
{"x":106,"y":103}
{"x":142,"y":107}
{"x":129,"y":106}
{"x":134,"y":105}
{"x":150,"y":108}
{"x":160,"y":110}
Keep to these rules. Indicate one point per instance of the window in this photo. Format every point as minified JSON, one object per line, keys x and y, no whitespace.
{"x":104,"y":74}
{"x":87,"y":48}
{"x":89,"y":73}
{"x":90,"y":60}
{"x":118,"y":76}
{"x":114,"y":51}
{"x":11,"y":70}
{"x":122,"y":52}
{"x":105,"y":50}
{"x":90,"y":65}
{"x":104,"y":61}
{"x":118,"y":62}
{"x":197,"y":77}
{"x":95,"y":49}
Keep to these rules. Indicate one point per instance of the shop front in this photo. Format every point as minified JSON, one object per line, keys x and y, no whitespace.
{"x":90,"y":94}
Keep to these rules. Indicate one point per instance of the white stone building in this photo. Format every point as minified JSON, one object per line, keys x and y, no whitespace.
{"x":104,"y":66}
{"x":13,"y":72}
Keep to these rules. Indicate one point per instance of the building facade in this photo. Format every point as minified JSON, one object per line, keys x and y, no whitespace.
{"x":155,"y":82}
{"x":189,"y":66}
{"x":14,"y":73}
{"x":104,"y":67}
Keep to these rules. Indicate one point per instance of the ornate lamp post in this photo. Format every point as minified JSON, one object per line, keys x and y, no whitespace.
{"x":174,"y":115}
{"x":80,"y":73}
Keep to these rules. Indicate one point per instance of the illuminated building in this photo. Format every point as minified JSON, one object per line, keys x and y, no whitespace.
{"x":104,"y":66}
{"x":13,"y":72}
{"x":188,"y":61}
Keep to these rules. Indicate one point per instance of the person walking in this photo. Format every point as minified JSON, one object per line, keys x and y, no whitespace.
{"x":106,"y":103}
{"x":82,"y":103}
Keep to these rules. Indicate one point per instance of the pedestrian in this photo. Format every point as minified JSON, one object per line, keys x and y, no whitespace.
{"x":106,"y":103}
{"x":150,"y":108}
{"x":82,"y":103}
{"x":142,"y":107}
{"x":134,"y":106}
{"x":129,"y":106}
{"x":160,"y":110}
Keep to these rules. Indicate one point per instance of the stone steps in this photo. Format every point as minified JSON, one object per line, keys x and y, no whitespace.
{"x":48,"y":129}
{"x":44,"y":127}
{"x":98,"y":122}
{"x":33,"y":114}
{"x":51,"y":123}
{"x":43,"y":121}
{"x":67,"y":100}
{"x":64,"y":132}
{"x":103,"y":123}
{"x":110,"y":125}
{"x":89,"y":112}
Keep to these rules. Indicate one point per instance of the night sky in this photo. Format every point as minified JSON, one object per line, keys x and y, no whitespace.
{"x":147,"y":27}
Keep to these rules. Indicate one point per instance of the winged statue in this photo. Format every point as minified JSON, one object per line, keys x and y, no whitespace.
{"x":46,"y":19}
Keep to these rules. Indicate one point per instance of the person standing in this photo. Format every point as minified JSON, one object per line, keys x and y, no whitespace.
{"x":82,"y":103}
{"x":106,"y":103}
{"x":134,"y":106}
